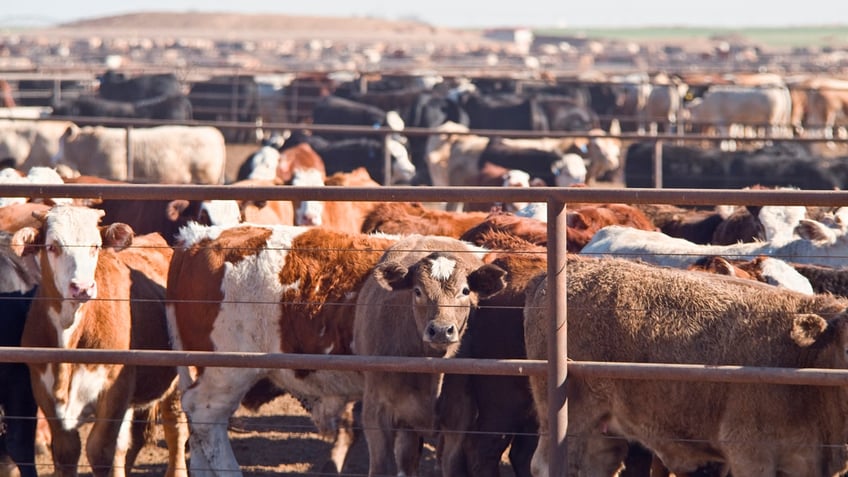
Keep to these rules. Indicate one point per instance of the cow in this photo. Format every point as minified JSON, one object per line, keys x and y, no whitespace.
{"x":480,"y":416}
{"x":624,"y":311}
{"x":413,"y":218}
{"x":346,"y":155}
{"x":175,"y":108}
{"x":101,"y":288}
{"x":527,"y":229}
{"x":416,"y":302}
{"x":508,"y":111}
{"x":343,"y":216}
{"x":19,"y":277}
{"x":829,"y":280}
{"x":815,"y":244}
{"x":228,"y":98}
{"x":743,"y":106}
{"x":819,"y":104}
{"x":162,"y":154}
{"x":335,"y":110}
{"x":299,"y":283}
{"x":31,"y":143}
{"x":763,"y":269}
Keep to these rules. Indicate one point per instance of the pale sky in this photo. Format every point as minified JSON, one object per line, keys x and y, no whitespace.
{"x":467,"y":13}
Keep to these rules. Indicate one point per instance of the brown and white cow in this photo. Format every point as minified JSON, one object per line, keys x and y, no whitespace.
{"x":416,"y":302}
{"x":414,"y":218}
{"x":624,"y":311}
{"x":100,"y":289}
{"x":269,"y":289}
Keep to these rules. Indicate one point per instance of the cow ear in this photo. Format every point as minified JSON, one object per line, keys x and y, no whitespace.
{"x":26,"y":241}
{"x":487,"y":280}
{"x":175,"y":209}
{"x":814,"y":231}
{"x":723,"y":267}
{"x":392,"y":276}
{"x":117,"y":236}
{"x":71,"y":132}
{"x":807,"y":329}
{"x":576,"y":220}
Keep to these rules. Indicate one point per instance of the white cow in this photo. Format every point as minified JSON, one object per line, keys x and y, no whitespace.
{"x":727,"y":106}
{"x":163,"y":154}
{"x":30,"y":143}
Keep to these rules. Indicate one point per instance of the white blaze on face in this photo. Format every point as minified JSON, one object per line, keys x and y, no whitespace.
{"x":442,"y":268}
{"x":402,"y":168}
{"x":73,"y":246}
{"x":222,"y":212}
{"x":310,"y":212}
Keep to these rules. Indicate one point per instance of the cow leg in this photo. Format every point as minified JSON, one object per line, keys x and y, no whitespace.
{"x":20,"y":423}
{"x":408,"y":445}
{"x":66,"y":447}
{"x":521,"y":453}
{"x":175,"y":428}
{"x":343,"y":438}
{"x":209,"y":404}
{"x":109,"y":440}
{"x":377,"y":424}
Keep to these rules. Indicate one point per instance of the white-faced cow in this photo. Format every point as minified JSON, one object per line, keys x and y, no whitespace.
{"x":416,"y":303}
{"x":97,"y":292}
{"x":298,"y":286}
{"x":624,"y":311}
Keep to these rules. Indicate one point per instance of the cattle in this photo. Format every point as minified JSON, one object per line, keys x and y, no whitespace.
{"x":663,"y":105}
{"x":762,"y":269}
{"x":174,"y":108}
{"x":480,"y":416}
{"x":162,"y":154}
{"x":117,"y":86}
{"x":280,"y":212}
{"x":262,"y":163}
{"x":829,"y":280}
{"x":101,"y":288}
{"x":416,"y":302}
{"x":818,"y":104}
{"x":341,"y":111}
{"x":31,"y":143}
{"x":413,"y":218}
{"x":430,"y":111}
{"x":527,"y":229}
{"x":346,"y":155}
{"x":299,"y":283}
{"x":343,"y":216}
{"x":758,"y":107}
{"x":19,"y":277}
{"x":36,"y":176}
{"x":662,"y":315}
{"x":503,"y":111}
{"x":162,"y":216}
{"x":17,"y":216}
{"x":815,"y":244}
{"x":778,"y":165}
{"x":233,"y":98}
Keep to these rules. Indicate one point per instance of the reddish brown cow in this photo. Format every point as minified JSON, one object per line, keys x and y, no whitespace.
{"x":18,"y":216}
{"x":297,"y":285}
{"x":100,"y":299}
{"x":413,"y":217}
{"x":297,"y":157}
{"x":348,"y":216}
{"x":525,"y":228}
{"x":583,"y":222}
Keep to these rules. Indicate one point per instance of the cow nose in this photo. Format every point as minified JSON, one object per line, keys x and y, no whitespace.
{"x":83,"y":291}
{"x":438,"y":334}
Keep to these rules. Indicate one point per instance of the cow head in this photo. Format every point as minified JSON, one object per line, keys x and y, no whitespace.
{"x":402,"y":168}
{"x":70,"y":241}
{"x":308,"y":212}
{"x":445,"y":286}
{"x":828,"y":337}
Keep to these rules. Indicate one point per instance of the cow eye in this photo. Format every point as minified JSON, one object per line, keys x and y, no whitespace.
{"x":54,"y":248}
{"x":466,"y":291}
{"x":418,"y":292}
{"x":94,"y":249}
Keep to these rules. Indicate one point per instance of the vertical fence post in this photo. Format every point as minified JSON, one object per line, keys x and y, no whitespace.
{"x":658,"y":164}
{"x":557,"y":340}
{"x":387,"y":159}
{"x":130,"y":161}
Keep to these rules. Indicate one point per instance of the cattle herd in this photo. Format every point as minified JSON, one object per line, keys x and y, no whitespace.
{"x":759,"y":286}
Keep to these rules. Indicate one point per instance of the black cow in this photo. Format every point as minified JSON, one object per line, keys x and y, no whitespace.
{"x":117,"y":86}
{"x":430,"y":111}
{"x":504,"y":111}
{"x":228,"y":98}
{"x":342,"y":111}
{"x":17,"y":442}
{"x":536,"y":162}
{"x":346,"y":155}
{"x":161,"y":107}
{"x":779,"y":165}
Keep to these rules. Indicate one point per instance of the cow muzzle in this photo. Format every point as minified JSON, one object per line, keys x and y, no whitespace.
{"x":441,"y":334}
{"x":83,"y":292}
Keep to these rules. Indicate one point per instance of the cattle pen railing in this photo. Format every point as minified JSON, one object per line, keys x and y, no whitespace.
{"x":556,"y":368}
